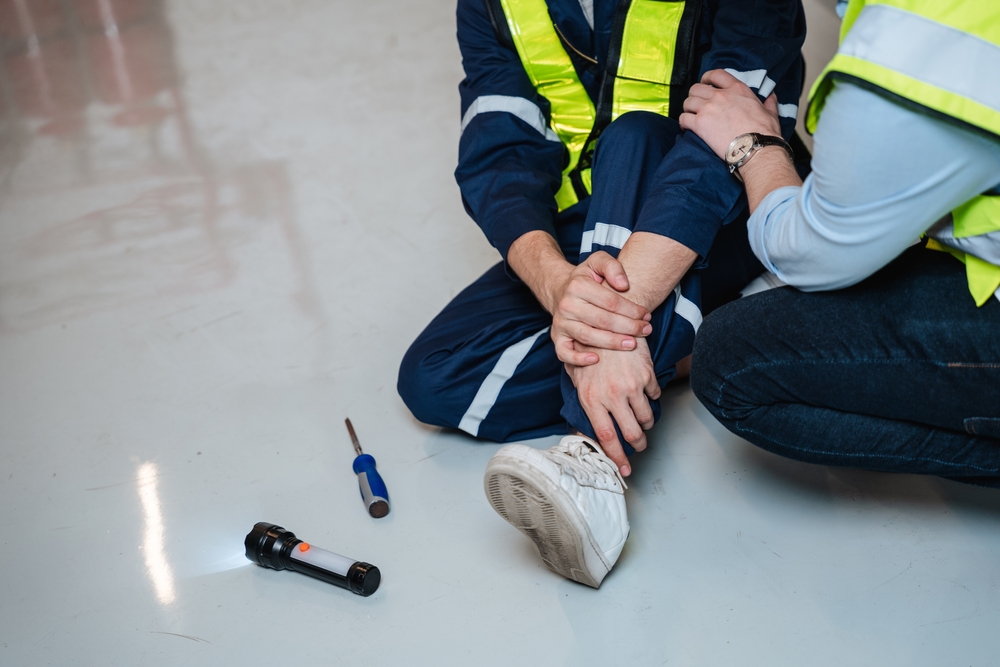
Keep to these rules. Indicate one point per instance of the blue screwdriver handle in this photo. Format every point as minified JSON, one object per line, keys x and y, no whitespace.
{"x":373,"y":491}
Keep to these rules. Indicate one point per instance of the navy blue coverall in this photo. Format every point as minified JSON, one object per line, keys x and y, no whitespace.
{"x":486,"y":363}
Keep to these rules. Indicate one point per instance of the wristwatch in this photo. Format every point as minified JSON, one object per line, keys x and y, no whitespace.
{"x":745,"y":145}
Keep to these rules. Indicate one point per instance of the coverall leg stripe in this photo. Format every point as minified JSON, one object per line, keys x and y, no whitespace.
{"x":687,"y":309}
{"x":488,"y":392}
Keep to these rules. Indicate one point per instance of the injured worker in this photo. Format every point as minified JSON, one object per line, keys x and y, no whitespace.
{"x":617,"y":230}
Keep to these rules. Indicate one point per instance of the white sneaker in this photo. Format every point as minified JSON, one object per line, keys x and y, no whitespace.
{"x":569,"y":500}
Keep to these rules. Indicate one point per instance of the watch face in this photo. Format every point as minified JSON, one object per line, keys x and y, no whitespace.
{"x":739,"y":148}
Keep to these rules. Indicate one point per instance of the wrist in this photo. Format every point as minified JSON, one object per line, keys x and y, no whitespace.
{"x":767,"y":159}
{"x":538,"y":261}
{"x":647,"y":298}
{"x":746,"y":146}
{"x":655,"y":263}
{"x":771,"y":170}
{"x":553,"y":278}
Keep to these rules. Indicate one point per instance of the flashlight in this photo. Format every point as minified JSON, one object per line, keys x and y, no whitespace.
{"x":274,"y":547}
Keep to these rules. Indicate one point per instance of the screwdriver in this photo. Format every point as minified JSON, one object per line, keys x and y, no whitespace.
{"x":373,"y":491}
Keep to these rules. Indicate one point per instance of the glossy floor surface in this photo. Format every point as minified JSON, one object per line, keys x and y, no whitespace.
{"x":221,"y":223}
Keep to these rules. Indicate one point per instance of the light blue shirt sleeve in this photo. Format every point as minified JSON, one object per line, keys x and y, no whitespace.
{"x":882,"y":175}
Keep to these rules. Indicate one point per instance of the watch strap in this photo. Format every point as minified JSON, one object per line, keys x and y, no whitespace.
{"x":761,"y":140}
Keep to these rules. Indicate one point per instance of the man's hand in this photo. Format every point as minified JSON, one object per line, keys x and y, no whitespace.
{"x":583,"y":300}
{"x":618,"y":387}
{"x":590,"y":313}
{"x":722,"y":107}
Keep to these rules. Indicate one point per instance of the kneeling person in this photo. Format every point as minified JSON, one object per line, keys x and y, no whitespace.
{"x":887,"y":356}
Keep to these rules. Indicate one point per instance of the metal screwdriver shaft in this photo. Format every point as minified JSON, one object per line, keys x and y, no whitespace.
{"x":354,"y":437}
{"x":373,"y":491}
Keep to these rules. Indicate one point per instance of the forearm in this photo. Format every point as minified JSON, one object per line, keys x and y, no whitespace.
{"x":768,"y":169}
{"x":654,"y":265}
{"x":509,"y":160}
{"x":866,"y":200}
{"x":539,"y":262}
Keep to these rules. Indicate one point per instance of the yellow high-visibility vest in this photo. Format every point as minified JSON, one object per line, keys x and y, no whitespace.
{"x":941,"y":57}
{"x":650,"y":64}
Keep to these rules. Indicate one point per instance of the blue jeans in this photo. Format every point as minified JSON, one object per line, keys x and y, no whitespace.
{"x":486,"y":364}
{"x":900,"y":373}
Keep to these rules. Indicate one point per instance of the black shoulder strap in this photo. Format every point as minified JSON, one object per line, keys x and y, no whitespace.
{"x":605,"y":93}
{"x":684,"y":74}
{"x":499,"y":22}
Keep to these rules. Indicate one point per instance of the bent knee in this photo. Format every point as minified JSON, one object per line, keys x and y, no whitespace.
{"x":723,"y":349}
{"x":420,"y":384}
{"x":639,"y":127}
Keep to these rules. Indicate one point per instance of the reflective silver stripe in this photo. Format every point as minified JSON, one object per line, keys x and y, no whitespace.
{"x":788,"y":110}
{"x":686,"y":309}
{"x":752,"y":78}
{"x":494,"y":382}
{"x":766,"y":87}
{"x":755,"y":78}
{"x":927,"y":51}
{"x":984,"y":246}
{"x":604,"y":234}
{"x":516,"y":106}
{"x":758,"y":78}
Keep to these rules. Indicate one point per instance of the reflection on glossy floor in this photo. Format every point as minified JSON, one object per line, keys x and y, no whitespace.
{"x":220,"y":225}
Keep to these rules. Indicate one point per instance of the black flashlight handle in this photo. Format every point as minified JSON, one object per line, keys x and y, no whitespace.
{"x":274,"y":547}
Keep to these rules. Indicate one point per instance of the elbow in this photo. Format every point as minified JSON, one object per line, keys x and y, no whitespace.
{"x":814,"y":275}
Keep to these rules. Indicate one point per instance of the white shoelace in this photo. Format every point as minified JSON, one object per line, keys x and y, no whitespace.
{"x":586,"y":464}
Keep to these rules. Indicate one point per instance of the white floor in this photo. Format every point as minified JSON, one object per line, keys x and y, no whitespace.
{"x":220,"y":227}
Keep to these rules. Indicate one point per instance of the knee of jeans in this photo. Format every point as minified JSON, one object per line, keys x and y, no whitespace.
{"x":421,"y":382}
{"x":720,"y":353}
{"x":638,"y":127}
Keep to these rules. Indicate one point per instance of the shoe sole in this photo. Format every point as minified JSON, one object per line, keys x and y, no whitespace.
{"x":534,"y":505}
